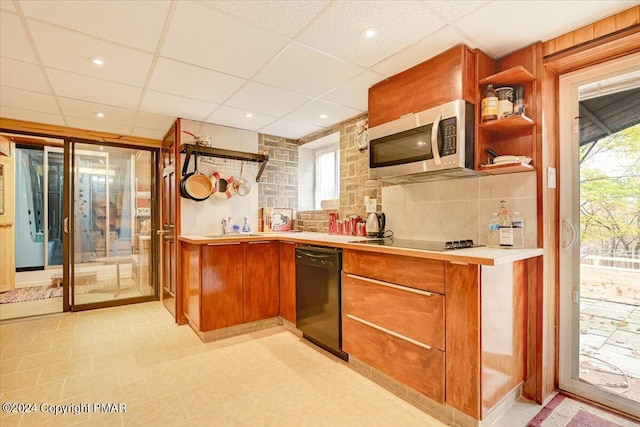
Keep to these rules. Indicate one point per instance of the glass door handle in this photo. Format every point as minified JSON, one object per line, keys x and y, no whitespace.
{"x":65,"y":225}
{"x":161,"y":232}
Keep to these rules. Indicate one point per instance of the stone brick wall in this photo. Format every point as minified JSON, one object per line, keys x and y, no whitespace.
{"x":279,"y":183}
{"x":354,"y":164}
{"x":354,"y":185}
{"x":278,"y":187}
{"x":312,"y":221}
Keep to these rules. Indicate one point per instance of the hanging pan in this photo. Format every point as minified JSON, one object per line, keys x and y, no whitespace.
{"x":195,"y":185}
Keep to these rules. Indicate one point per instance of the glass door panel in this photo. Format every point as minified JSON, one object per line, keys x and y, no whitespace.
{"x":600,"y":259}
{"x":111,"y":223}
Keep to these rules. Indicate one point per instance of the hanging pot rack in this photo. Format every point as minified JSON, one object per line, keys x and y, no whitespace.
{"x":190,"y":149}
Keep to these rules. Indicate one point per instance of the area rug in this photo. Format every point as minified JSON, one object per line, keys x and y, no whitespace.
{"x":563,"y":411}
{"x":30,"y":294}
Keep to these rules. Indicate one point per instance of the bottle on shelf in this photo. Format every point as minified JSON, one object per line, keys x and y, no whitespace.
{"x":493,"y":240}
{"x":506,"y":229}
{"x":489,"y":104}
{"x":517,"y":223}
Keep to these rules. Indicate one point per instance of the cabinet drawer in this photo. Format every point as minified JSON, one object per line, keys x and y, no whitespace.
{"x":414,"y":313}
{"x":419,"y":368}
{"x":420,"y":273}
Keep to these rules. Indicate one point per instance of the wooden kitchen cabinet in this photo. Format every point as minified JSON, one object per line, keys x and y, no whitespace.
{"x":261,"y":280}
{"x":446,"y":77}
{"x":463,"y":347}
{"x":288,"y":281}
{"x":231,"y":283}
{"x":392,"y":318}
{"x":515,"y":135}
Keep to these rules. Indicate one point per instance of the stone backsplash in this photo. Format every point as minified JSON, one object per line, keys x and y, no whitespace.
{"x":316,"y":221}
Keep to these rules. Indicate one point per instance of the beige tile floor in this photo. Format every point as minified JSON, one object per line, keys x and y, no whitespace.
{"x":166,"y":376}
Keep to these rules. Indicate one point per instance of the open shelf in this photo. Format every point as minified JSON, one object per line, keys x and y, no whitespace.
{"x":507,"y":124}
{"x":190,"y":149}
{"x":508,"y":168}
{"x":515,"y":75}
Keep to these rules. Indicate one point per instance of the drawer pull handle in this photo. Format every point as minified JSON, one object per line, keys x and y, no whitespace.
{"x":387,"y":331}
{"x":223,"y":244}
{"x":391,"y":285}
{"x":259,"y":242}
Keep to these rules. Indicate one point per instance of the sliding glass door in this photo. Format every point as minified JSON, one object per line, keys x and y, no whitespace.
{"x":110,"y":221}
{"x":600,"y":255}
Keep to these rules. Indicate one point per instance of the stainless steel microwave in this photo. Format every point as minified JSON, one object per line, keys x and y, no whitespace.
{"x":433,"y":144}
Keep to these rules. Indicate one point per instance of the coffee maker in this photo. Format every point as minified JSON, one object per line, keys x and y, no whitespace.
{"x":375,"y":224}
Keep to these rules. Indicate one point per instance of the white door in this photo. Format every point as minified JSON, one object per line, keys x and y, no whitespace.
{"x":600,"y":235}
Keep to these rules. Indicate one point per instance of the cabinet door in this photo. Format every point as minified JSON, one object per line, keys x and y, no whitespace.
{"x":288,"y":281}
{"x":261,"y":280}
{"x":222,"y":285}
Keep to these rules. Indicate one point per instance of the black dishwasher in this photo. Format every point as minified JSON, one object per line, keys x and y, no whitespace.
{"x":318,"y":297}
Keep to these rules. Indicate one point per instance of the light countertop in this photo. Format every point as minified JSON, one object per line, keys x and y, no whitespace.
{"x":481,"y":256}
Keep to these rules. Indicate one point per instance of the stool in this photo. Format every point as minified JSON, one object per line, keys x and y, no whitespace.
{"x":116,"y":260}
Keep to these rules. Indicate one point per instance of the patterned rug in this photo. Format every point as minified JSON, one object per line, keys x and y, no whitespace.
{"x":30,"y":294}
{"x":563,"y":411}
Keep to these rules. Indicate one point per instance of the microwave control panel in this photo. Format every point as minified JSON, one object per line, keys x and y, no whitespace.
{"x":448,"y":127}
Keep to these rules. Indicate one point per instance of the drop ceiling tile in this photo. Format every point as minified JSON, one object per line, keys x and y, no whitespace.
{"x":177,"y":106}
{"x":22,"y":75}
{"x":260,"y":98}
{"x":149,"y":133}
{"x":302,"y":69}
{"x":355,"y":92}
{"x":27,"y":100}
{"x":450,"y":10}
{"x":289,"y":129}
{"x":70,"y":51}
{"x":530,"y":21}
{"x":132,"y":23}
{"x":338,"y":30}
{"x":193,"y":82}
{"x":86,"y":110}
{"x":154,"y":121}
{"x":31,"y":116}
{"x":234,"y":117}
{"x":203,"y":36}
{"x":285,"y":17}
{"x":311,"y":113}
{"x":76,"y":122}
{"x":8,"y":5}
{"x":71,"y":85}
{"x":13,"y":39}
{"x":426,"y":48}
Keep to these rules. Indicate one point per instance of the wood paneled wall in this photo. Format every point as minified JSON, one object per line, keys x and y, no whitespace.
{"x":607,"y":26}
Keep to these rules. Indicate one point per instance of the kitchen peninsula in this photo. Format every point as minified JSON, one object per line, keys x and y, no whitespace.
{"x":449,"y":328}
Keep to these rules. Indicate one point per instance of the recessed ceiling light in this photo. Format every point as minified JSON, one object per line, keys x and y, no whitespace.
{"x":369,"y":33}
{"x":323,"y":116}
{"x":99,"y":114}
{"x":96,"y":61}
{"x":249,"y":115}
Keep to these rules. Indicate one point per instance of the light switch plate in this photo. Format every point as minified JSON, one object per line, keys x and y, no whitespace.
{"x":551,"y":177}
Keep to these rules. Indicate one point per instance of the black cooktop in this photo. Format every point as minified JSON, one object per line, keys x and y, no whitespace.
{"x":426,"y":245}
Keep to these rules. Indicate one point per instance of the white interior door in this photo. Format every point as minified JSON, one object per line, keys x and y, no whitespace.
{"x":599,"y":260}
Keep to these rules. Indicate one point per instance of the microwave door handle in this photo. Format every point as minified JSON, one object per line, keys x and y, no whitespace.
{"x":434,"y":139}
